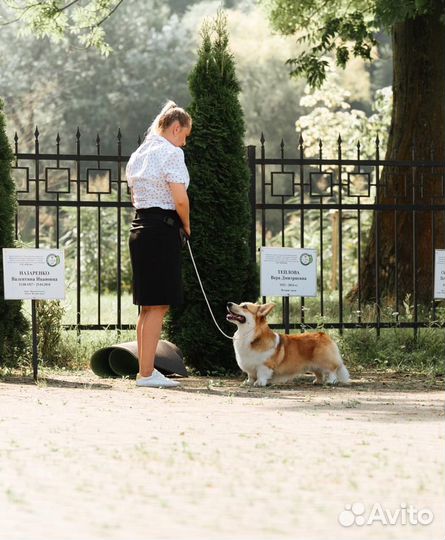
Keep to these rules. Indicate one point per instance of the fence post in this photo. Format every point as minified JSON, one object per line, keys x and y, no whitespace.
{"x":251,"y":157}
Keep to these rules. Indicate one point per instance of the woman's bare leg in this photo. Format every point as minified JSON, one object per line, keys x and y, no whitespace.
{"x":141,"y":317}
{"x":148,"y":332}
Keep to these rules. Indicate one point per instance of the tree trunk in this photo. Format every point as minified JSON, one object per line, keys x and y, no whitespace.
{"x":402,"y":242}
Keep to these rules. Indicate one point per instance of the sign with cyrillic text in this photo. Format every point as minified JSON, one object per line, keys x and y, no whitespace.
{"x":439,"y":274}
{"x":288,"y":272}
{"x":33,"y":274}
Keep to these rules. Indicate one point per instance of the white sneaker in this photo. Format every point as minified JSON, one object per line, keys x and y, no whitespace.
{"x":156,"y":380}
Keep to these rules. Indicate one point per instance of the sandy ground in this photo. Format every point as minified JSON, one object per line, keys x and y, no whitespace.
{"x":87,"y":458}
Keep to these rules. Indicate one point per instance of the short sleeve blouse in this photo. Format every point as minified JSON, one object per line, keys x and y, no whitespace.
{"x":156,"y":163}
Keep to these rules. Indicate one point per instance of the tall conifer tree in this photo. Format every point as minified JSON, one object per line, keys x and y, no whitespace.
{"x":12,"y":322}
{"x":220,"y":209}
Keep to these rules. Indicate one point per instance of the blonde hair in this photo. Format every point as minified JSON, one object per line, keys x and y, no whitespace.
{"x":170,"y":113}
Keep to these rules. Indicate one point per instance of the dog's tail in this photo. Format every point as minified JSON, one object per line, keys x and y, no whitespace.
{"x":341,"y":372}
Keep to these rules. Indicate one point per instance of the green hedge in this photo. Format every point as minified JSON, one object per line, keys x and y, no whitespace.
{"x":13,"y":324}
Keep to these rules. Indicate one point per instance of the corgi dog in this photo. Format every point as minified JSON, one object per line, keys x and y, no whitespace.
{"x":268,"y":357}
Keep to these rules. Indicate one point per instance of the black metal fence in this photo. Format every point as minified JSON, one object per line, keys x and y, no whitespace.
{"x":67,"y":200}
{"x":80,"y":202}
{"x":329,"y":204}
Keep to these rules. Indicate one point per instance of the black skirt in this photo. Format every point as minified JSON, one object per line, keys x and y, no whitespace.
{"x":155,"y":252}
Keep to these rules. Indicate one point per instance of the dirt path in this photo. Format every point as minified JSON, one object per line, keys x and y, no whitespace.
{"x":84,"y":458}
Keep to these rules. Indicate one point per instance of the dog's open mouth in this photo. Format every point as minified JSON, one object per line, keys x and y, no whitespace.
{"x":232,"y":317}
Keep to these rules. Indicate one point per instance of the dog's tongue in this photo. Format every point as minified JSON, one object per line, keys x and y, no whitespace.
{"x":233,"y":317}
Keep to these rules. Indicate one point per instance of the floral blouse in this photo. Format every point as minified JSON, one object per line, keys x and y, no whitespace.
{"x":150,"y":169}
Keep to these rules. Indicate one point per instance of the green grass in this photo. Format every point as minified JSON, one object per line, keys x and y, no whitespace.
{"x":395,"y":348}
{"x":89,"y":308}
{"x":351,"y":313}
{"x":73,"y":350}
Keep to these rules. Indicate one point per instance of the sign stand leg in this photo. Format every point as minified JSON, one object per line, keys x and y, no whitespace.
{"x":34,"y":339}
{"x":286,"y":315}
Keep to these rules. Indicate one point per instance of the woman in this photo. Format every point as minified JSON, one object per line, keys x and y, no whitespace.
{"x":158,"y":179}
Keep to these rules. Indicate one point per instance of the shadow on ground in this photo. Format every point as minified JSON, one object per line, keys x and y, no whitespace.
{"x":54,"y":382}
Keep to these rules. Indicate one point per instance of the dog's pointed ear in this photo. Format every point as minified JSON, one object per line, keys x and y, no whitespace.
{"x":265,"y":309}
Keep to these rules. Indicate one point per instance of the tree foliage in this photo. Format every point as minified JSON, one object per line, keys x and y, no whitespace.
{"x":329,"y":112}
{"x":62,"y":86}
{"x":220,"y":209}
{"x":344,"y":28}
{"x":69,"y":86}
{"x":56,"y":19}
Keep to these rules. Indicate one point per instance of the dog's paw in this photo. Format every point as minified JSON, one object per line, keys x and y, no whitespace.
{"x":248,"y":382}
{"x":258,"y":383}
